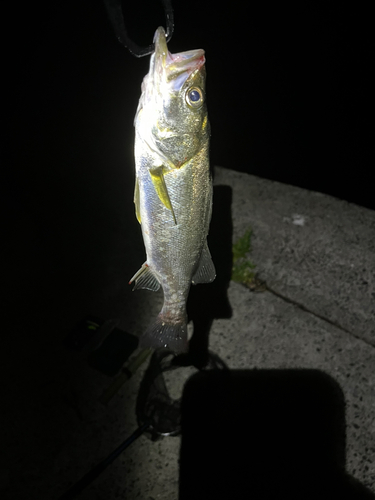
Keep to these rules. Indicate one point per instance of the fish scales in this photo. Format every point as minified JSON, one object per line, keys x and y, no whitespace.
{"x":173,"y":194}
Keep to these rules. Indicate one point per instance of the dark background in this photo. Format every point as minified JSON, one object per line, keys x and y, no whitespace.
{"x":288,"y":90}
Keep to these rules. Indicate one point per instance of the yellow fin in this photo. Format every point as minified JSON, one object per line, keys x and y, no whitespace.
{"x":136,"y":201}
{"x":157,"y":177}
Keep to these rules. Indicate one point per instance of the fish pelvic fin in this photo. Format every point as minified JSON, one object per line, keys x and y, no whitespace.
{"x":157,"y":177}
{"x":166,"y":334}
{"x":145,"y":278}
{"x":205,"y":272}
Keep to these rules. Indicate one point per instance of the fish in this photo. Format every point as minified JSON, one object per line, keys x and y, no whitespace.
{"x":173,"y":188}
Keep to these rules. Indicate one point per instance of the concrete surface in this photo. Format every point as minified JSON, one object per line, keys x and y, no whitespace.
{"x":316,"y":255}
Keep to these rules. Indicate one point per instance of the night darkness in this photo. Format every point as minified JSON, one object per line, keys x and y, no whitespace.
{"x":288,"y":92}
{"x":287,"y":89}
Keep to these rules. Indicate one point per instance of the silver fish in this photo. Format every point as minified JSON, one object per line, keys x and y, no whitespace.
{"x":173,"y":192}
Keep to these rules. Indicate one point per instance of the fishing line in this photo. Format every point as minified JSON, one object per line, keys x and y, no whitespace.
{"x":116,"y":16}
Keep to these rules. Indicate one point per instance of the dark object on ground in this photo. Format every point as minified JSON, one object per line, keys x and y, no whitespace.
{"x":264,"y":434}
{"x":107,"y":346}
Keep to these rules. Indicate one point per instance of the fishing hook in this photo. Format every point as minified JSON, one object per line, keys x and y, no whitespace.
{"x":116,"y":17}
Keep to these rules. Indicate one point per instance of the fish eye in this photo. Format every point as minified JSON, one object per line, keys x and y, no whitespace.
{"x":194,"y":97}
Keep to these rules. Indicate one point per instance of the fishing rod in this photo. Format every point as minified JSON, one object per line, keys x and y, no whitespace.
{"x":88,"y":478}
{"x":157,"y":412}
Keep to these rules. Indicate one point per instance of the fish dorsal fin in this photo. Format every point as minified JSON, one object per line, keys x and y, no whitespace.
{"x":205,"y":272}
{"x":136,"y":201}
{"x":157,"y":177}
{"x":145,"y":278}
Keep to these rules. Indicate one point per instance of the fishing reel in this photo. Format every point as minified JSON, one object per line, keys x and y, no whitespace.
{"x":155,"y":403}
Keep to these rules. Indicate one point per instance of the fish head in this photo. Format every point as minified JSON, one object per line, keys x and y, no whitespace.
{"x":172,"y":112}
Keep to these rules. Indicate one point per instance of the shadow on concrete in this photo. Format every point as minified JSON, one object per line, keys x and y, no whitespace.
{"x":209,"y":302}
{"x":264,"y":434}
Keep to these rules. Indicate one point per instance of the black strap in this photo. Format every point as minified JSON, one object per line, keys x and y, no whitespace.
{"x":116,"y":17}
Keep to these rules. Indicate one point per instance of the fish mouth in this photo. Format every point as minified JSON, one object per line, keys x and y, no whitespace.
{"x":174,"y":68}
{"x":157,"y":120}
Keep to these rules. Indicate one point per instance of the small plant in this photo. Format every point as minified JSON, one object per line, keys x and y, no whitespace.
{"x":243,"y":268}
{"x":242,"y":246}
{"x":242,"y":272}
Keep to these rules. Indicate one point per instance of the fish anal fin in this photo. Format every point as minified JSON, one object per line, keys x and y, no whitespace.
{"x":205,"y":272}
{"x":137,"y":201}
{"x":157,"y":177}
{"x":145,"y":278}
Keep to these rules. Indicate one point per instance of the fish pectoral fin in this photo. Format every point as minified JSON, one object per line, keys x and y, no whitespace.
{"x":157,"y":177}
{"x":145,"y":278}
{"x":136,"y":201}
{"x":205,"y":272}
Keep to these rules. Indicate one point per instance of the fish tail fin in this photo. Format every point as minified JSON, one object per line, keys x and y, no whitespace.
{"x":166,"y":334}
